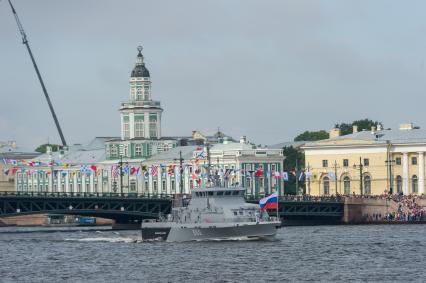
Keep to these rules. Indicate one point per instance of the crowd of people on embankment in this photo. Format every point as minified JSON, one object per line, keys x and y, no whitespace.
{"x":408,"y":209}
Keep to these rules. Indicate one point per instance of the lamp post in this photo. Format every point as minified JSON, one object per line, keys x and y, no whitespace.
{"x":121,"y":153}
{"x":180,"y":159}
{"x":361,"y":167}
{"x":389,"y":163}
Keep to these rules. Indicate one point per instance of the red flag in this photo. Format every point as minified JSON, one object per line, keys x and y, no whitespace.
{"x":93,"y":167}
{"x":258,"y":173}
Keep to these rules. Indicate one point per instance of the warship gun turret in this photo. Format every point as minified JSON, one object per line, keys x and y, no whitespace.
{"x":212,"y":213}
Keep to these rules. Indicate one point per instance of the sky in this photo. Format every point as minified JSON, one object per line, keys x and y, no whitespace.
{"x":265,"y":69}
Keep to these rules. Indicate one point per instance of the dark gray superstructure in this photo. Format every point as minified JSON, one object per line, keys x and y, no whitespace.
{"x":213,"y":214}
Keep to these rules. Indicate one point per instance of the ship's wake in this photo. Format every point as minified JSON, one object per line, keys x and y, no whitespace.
{"x":106,"y":239}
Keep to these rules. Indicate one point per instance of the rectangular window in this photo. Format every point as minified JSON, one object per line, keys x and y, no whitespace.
{"x":114,"y":150}
{"x":345,"y":162}
{"x":273,"y":167}
{"x":138,"y":150}
{"x":153,"y":129}
{"x":173,"y":183}
{"x":248,"y":167}
{"x":139,"y":129}
{"x":398,"y":161}
{"x":146,"y":185}
{"x":413,"y":160}
{"x":126,"y":130}
{"x":155,"y":186}
{"x":366,"y":162}
{"x":325,"y":163}
{"x":163,"y":185}
{"x":87,"y":187}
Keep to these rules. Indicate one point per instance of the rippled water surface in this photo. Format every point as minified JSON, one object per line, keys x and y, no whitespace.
{"x":322,"y":253}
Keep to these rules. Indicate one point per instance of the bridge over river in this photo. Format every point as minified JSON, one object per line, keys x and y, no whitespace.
{"x":132,"y":208}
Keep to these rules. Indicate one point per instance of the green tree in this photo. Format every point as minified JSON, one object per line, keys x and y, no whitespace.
{"x":294,"y":161}
{"x":363,"y":124}
{"x":42,"y":148}
{"x":312,"y":136}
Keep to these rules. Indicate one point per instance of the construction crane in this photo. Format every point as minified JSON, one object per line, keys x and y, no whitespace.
{"x":25,"y":41}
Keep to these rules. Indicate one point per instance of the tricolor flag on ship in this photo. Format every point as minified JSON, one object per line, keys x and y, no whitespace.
{"x":270,"y":202}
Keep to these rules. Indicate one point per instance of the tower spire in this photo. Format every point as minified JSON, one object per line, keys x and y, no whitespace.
{"x":139,"y":60}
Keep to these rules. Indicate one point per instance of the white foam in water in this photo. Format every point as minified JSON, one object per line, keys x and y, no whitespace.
{"x":105,"y":239}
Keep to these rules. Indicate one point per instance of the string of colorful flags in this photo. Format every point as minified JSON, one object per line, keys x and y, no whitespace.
{"x":198,"y":170}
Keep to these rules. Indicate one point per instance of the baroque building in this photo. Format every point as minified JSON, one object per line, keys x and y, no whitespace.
{"x":140,"y":119}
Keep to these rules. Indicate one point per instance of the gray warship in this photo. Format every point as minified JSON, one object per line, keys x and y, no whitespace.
{"x":212,"y":213}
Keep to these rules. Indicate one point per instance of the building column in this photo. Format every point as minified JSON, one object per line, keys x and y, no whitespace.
{"x":421,"y":173}
{"x":405,"y":173}
{"x":122,"y":126}
{"x":131,"y":125}
{"x":146,"y":125}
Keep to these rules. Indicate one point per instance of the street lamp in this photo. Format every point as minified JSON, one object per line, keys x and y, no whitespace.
{"x":121,"y":153}
{"x":389,"y":164}
{"x":361,"y":167}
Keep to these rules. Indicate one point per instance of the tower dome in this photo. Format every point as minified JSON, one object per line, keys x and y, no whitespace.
{"x":139,"y":70}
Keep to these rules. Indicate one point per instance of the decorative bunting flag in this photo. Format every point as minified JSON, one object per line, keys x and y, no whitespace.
{"x":154,"y":170}
{"x":285,"y":176}
{"x":259,"y":172}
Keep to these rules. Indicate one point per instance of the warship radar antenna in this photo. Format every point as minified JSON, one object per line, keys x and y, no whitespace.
{"x":208,"y":163}
{"x":25,"y":41}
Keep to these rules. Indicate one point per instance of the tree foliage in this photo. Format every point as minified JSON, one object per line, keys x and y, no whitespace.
{"x":363,"y":124}
{"x":294,"y":161}
{"x":312,"y":136}
{"x":43,"y":147}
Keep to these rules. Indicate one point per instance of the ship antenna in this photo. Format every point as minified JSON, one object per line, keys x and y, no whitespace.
{"x":25,"y":41}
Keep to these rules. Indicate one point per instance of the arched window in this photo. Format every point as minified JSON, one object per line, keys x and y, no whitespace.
{"x":326,"y":185}
{"x":414,"y":184}
{"x":398,"y":184}
{"x":347,"y":185}
{"x":367,"y":185}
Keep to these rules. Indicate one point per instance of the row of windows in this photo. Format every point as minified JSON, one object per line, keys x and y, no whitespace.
{"x":367,"y":185}
{"x":250,"y":167}
{"x":399,"y":162}
{"x":366,"y":162}
{"x":45,"y":188}
{"x":347,"y":185}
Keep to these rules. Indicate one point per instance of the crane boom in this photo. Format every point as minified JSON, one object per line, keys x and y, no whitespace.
{"x":25,"y":41}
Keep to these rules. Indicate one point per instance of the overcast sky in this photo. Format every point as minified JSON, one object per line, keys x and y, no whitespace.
{"x":265,"y":69}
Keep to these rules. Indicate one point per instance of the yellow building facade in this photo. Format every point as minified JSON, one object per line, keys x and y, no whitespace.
{"x":367,"y":162}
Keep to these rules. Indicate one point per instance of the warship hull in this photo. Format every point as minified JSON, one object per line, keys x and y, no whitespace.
{"x":176,"y":232}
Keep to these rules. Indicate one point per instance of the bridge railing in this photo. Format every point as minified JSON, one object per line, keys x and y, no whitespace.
{"x":84,"y":195}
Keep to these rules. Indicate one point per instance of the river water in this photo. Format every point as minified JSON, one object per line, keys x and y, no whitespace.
{"x":386,"y":253}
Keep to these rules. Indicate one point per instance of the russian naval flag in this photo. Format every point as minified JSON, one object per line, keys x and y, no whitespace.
{"x":270,"y":202}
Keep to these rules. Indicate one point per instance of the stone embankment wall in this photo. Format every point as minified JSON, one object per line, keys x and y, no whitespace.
{"x":39,"y":220}
{"x":371,"y":210}
{"x":360,"y":210}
